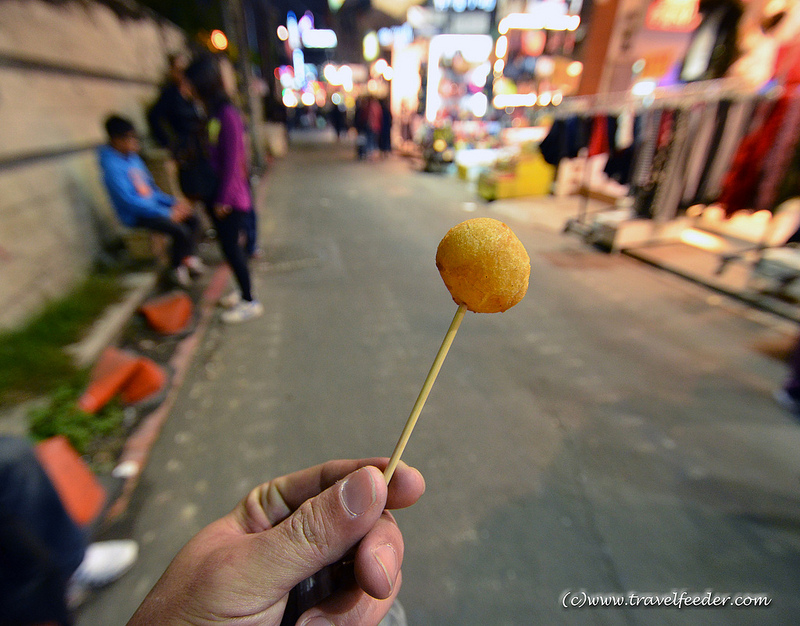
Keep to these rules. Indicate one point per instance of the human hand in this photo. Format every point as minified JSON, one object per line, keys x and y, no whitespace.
{"x":181,"y":210}
{"x":241,"y":567}
{"x":222,"y":210}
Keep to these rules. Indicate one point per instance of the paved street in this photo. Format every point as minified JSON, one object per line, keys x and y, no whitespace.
{"x":614,"y":432}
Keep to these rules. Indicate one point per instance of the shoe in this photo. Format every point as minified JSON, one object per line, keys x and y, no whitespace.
{"x":195,"y":266}
{"x":787,"y":401}
{"x":180,"y":275}
{"x":104,"y":562}
{"x":396,"y":615}
{"x":243,"y":311}
{"x":230,"y":300}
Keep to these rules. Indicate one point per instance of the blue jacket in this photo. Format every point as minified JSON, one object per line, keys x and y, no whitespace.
{"x":130,"y":184}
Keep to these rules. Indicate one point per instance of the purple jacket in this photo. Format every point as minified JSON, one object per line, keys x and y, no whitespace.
{"x":229,"y":158}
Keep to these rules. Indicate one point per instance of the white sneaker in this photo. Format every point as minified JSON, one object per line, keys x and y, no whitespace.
{"x":104,"y":562}
{"x":195,"y":266}
{"x":230,"y":300}
{"x":243,"y":311}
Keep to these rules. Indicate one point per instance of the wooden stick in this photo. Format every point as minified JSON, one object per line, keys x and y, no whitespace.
{"x":423,"y":394}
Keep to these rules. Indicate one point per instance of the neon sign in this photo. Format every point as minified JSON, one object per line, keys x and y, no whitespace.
{"x":459,"y":6}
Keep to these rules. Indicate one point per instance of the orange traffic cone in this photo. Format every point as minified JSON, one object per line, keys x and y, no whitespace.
{"x":168,"y":314}
{"x":146,"y":381}
{"x":109,"y":376}
{"x":81,"y":494}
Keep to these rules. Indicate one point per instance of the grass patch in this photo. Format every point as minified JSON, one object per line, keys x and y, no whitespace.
{"x":32,"y":359}
{"x":85,"y":431}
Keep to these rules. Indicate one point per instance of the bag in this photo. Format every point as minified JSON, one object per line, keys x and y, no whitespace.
{"x":197,"y":179}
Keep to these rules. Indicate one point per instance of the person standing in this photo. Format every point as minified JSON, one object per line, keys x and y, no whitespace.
{"x":230,"y":205}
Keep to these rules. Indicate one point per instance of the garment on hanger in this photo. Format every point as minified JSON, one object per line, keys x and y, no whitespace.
{"x":699,"y":154}
{"x":780,"y":154}
{"x":712,"y":49}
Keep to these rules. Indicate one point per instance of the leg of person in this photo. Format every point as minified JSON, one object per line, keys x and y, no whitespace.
{"x":228,"y":231}
{"x":40,"y":545}
{"x":180,"y":233}
{"x":251,"y":233}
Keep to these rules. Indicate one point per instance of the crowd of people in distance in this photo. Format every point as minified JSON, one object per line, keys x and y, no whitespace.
{"x":373,"y":123}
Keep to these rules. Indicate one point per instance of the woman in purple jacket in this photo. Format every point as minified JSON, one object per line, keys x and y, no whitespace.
{"x":232,"y":204}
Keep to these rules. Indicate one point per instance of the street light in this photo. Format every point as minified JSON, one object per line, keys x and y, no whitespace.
{"x":219,"y":40}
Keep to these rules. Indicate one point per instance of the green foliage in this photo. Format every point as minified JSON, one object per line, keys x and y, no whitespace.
{"x":63,"y":417}
{"x":32,"y":358}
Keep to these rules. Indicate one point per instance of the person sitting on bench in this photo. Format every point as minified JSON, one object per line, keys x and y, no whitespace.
{"x":139,"y":203}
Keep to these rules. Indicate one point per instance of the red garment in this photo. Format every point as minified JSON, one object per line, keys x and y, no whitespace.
{"x":742,"y":180}
{"x":374,"y":116}
{"x":598,"y":143}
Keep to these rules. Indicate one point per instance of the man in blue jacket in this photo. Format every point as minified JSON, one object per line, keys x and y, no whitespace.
{"x":139,"y":203}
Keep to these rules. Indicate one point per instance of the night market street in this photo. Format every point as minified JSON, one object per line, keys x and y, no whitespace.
{"x":614,"y":432}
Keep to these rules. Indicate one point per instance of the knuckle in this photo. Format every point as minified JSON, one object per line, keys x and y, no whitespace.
{"x":308,"y":526}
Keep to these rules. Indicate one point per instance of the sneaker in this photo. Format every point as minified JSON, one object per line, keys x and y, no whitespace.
{"x":180,"y":275}
{"x":230,"y":300}
{"x":787,"y":401}
{"x":104,"y":562}
{"x":195,"y":266}
{"x":243,"y":311}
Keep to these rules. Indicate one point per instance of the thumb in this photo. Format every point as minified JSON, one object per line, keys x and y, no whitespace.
{"x":323,"y":529}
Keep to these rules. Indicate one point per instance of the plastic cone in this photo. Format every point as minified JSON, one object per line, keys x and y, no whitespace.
{"x":81,"y":494}
{"x":147,"y":380}
{"x":168,"y":314}
{"x":109,"y":376}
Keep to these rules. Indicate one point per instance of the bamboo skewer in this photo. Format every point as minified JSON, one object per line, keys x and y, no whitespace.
{"x":423,"y":394}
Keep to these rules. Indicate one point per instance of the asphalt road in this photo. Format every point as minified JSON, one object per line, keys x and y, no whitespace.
{"x":614,"y":432}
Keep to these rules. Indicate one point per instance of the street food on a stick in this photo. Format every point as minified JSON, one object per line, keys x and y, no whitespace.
{"x":486,"y":269}
{"x":484,"y":265}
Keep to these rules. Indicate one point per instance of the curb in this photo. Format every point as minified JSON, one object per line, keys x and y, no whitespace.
{"x":139,"y":444}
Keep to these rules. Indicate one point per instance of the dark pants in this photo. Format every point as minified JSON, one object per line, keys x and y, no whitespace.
{"x":251,"y":233}
{"x":792,"y":384}
{"x":229,"y":230}
{"x":40,"y":544}
{"x":183,"y":235}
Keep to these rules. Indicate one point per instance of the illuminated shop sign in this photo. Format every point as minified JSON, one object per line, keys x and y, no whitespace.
{"x":673,"y":15}
{"x":459,"y":6}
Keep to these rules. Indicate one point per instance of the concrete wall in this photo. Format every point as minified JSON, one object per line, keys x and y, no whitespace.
{"x":64,"y":67}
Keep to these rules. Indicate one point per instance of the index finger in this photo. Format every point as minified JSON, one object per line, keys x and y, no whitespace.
{"x":272,"y":502}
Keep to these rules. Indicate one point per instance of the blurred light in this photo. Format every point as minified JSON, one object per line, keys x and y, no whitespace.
{"x":320,"y":98}
{"x":574,"y":69}
{"x":219,"y":40}
{"x":293,"y":30}
{"x":502,"y":101}
{"x":372,"y":86}
{"x":499,"y":66}
{"x":638,"y":67}
{"x":643,"y":88}
{"x":379,"y":66}
{"x":299,"y":61}
{"x":473,"y":48}
{"x":703,"y":240}
{"x":289,"y":98}
{"x":548,"y":16}
{"x":479,"y":75}
{"x":545,"y":98}
{"x":440,"y":145}
{"x":478,"y":104}
{"x":336,"y":99}
{"x":501,"y":47}
{"x":307,"y":98}
{"x":306,"y":22}
{"x":371,"y":45}
{"x":388,"y":73}
{"x":335,"y":5}
{"x":283,"y":33}
{"x":319,"y":38}
{"x":331,"y":74}
{"x":545,"y":66}
{"x":558,"y":98}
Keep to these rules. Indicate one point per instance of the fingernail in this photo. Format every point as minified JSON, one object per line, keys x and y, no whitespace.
{"x":386,"y":557}
{"x":317,"y":621}
{"x":358,"y":492}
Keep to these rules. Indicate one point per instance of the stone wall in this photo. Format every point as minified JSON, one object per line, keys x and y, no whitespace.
{"x":64,"y":66}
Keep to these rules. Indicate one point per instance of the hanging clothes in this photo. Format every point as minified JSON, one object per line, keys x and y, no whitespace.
{"x":742,"y":180}
{"x":780,"y":154}
{"x":699,"y":155}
